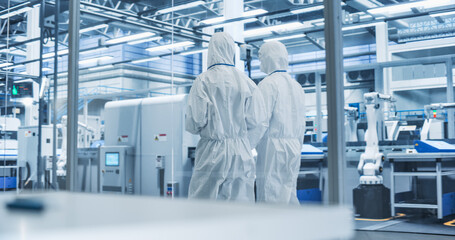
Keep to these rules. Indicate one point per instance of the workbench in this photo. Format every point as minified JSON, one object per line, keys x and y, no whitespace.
{"x":437,"y":172}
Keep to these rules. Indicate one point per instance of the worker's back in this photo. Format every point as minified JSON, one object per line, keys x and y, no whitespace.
{"x":279,"y":150}
{"x":228,"y":92}
{"x":287,"y":118}
{"x":224,"y":107}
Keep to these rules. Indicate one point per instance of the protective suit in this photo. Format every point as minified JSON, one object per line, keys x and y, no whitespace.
{"x":279,"y":150}
{"x":226,"y":109}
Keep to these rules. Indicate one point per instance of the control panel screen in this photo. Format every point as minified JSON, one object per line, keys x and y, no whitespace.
{"x":112,"y":159}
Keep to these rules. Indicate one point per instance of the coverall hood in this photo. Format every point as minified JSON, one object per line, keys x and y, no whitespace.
{"x":273,"y":56}
{"x":221,"y":49}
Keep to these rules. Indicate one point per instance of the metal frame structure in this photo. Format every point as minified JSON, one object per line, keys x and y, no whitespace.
{"x":438,"y":173}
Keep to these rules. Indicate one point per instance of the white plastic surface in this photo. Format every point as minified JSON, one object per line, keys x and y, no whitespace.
{"x":94,"y":216}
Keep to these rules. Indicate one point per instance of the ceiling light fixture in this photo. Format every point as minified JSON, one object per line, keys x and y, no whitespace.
{"x":213,"y":20}
{"x":24,"y":80}
{"x":407,"y":7}
{"x":145,"y":40}
{"x":170,"y":46}
{"x":180,"y":7}
{"x":254,"y":12}
{"x":285,"y":37}
{"x":307,"y":10}
{"x":5,"y":64}
{"x":347,"y":28}
{"x":270,"y":29}
{"x":146,"y":60}
{"x":88,"y":29}
{"x":129,"y":38}
{"x":13,"y":13}
{"x":193,"y":52}
{"x":15,"y":66}
{"x":51,"y":54}
{"x":442,"y":14}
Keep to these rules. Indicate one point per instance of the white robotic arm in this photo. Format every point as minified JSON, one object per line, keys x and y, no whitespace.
{"x":371,"y":162}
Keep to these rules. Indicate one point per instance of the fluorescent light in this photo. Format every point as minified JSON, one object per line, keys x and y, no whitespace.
{"x":130,"y":38}
{"x":51,"y":54}
{"x":145,"y":40}
{"x":270,"y":29}
{"x":101,"y":67}
{"x":62,"y":74}
{"x":5,"y":64}
{"x":22,"y":81}
{"x":13,"y":13}
{"x":308,"y":9}
{"x":93,"y":28}
{"x":94,"y":60}
{"x":359,"y":26}
{"x":213,"y":20}
{"x":250,"y":20}
{"x":146,"y":60}
{"x":442,"y":14}
{"x":285,"y":37}
{"x":15,"y":66}
{"x":406,"y":7}
{"x":193,"y":52}
{"x":170,"y":46}
{"x":180,"y":7}
{"x":254,"y":12}
{"x":45,"y":69}
{"x":96,"y":50}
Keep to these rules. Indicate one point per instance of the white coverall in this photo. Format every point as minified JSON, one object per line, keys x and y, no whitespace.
{"x":279,"y":150}
{"x":226,"y":109}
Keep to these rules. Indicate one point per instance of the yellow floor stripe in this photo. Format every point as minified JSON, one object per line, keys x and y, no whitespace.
{"x":450,"y":223}
{"x":383,"y":220}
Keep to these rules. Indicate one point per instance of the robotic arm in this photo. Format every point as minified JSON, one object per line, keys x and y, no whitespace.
{"x":352,"y":116}
{"x":371,"y":162}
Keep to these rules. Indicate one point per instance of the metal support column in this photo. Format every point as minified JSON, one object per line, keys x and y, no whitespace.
{"x":392,"y":187}
{"x":54,"y":103}
{"x":86,"y":144}
{"x":40,"y":164}
{"x":73,"y":92}
{"x":234,"y":9}
{"x":439,"y":191}
{"x":335,"y":99}
{"x":318,"y":108}
{"x":450,"y":111}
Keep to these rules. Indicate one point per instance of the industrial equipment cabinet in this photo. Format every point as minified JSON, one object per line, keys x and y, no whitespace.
{"x":307,"y":170}
{"x":445,"y":203}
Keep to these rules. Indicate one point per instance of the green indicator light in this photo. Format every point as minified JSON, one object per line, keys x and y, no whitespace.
{"x":14,"y":90}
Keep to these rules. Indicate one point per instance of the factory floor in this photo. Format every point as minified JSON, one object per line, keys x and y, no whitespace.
{"x":406,"y":227}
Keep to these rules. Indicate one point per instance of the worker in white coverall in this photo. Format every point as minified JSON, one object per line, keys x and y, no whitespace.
{"x":226,"y":109}
{"x":279,"y":150}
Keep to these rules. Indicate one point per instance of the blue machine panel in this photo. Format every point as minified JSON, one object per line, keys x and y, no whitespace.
{"x":308,"y":149}
{"x":309,"y":195}
{"x":433,"y":146}
{"x":7,"y":182}
{"x":448,"y":204}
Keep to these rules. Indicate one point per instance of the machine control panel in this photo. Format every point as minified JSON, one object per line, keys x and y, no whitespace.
{"x":117,"y":168}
